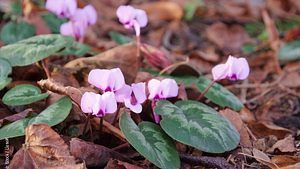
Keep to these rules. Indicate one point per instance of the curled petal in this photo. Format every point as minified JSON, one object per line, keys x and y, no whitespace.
{"x":125,"y":13}
{"x":139,"y":92}
{"x":99,"y":78}
{"x":74,"y":29}
{"x":91,"y":14}
{"x":109,"y":102}
{"x":137,"y":108}
{"x":116,"y":79}
{"x":219,"y":71}
{"x":88,"y":100}
{"x":169,"y":88}
{"x":244,"y":72}
{"x":62,"y":8}
{"x":123,"y":93}
{"x":141,"y":17}
{"x":154,"y":88}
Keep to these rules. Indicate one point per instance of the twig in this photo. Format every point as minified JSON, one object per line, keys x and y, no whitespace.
{"x":206,"y":90}
{"x":173,"y":65}
{"x":45,"y":67}
{"x":117,"y":114}
{"x":207,"y":162}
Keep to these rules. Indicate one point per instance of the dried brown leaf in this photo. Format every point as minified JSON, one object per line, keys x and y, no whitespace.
{"x":44,"y":148}
{"x":286,"y":145}
{"x":124,"y":57}
{"x":116,"y":164}
{"x":263,"y":129}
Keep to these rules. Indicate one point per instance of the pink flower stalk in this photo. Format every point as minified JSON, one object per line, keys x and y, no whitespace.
{"x":62,"y":8}
{"x":133,"y":96}
{"x":98,"y":105}
{"x":160,"y":90}
{"x":80,"y":20}
{"x":132,"y":18}
{"x":233,"y":69}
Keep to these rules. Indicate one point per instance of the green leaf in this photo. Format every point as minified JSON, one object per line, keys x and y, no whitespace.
{"x":151,"y":142}
{"x":219,"y":95}
{"x":197,"y":125}
{"x":14,"y":129}
{"x":23,"y":94}
{"x":119,"y":38}
{"x":16,"y":7}
{"x":53,"y":22}
{"x":34,"y":49}
{"x":53,"y":115}
{"x":13,"y":32}
{"x":77,"y":49}
{"x":4,"y":82}
{"x":5,"y":69}
{"x":290,"y":51}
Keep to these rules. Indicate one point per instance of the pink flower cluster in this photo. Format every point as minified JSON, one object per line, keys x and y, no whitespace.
{"x":79,"y":18}
{"x":112,"y":84}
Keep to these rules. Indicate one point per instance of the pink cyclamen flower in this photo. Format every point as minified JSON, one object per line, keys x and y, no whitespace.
{"x":160,"y":90}
{"x":233,"y":69}
{"x":132,"y":18}
{"x":98,"y":105}
{"x":107,"y":79}
{"x":132,"y":96}
{"x":62,"y":8}
{"x":79,"y":22}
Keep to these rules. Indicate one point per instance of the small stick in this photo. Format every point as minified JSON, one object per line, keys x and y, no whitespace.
{"x":173,"y":65}
{"x":45,"y":67}
{"x":206,"y":90}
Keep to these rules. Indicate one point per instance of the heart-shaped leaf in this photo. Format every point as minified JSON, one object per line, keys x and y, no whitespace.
{"x":119,"y":38}
{"x":197,"y":125}
{"x":13,"y":32}
{"x":151,"y":142}
{"x":5,"y":68}
{"x":290,"y":51}
{"x":34,"y":49}
{"x":219,"y":95}
{"x":4,"y":82}
{"x":53,"y":115}
{"x":23,"y":94}
{"x":77,"y":49}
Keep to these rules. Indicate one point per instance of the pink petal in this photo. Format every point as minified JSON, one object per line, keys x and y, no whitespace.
{"x":99,"y":78}
{"x":220,"y":71}
{"x":116,"y":79}
{"x":137,"y":108}
{"x":91,"y":14}
{"x":154,"y":88}
{"x":139,"y":91}
{"x":67,"y":29}
{"x":245,"y":70}
{"x":71,"y":6}
{"x":87,"y":102}
{"x":97,"y":106}
{"x":55,"y":6}
{"x":141,"y":17}
{"x":80,"y":17}
{"x":137,"y":28}
{"x":110,"y":103}
{"x":123,"y":93}
{"x":169,"y":88}
{"x":125,"y":13}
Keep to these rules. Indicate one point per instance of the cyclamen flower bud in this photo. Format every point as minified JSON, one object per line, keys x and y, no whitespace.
{"x":233,"y":69}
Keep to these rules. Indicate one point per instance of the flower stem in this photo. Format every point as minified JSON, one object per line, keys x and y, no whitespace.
{"x":101,"y":126}
{"x":206,"y":90}
{"x":117,"y":114}
{"x":86,"y":122}
{"x":138,"y":45}
{"x":45,"y":67}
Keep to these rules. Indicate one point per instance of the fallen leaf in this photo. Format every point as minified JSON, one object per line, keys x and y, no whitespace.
{"x":94,"y":155}
{"x":246,"y":115}
{"x":44,"y":148}
{"x":290,"y":79}
{"x":286,"y":161}
{"x":286,"y":145}
{"x":263,"y":129}
{"x":229,"y":38}
{"x":124,"y":57}
{"x":263,"y":158}
{"x":116,"y":164}
{"x":236,"y":120}
{"x":162,"y":11}
{"x":15,"y":117}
